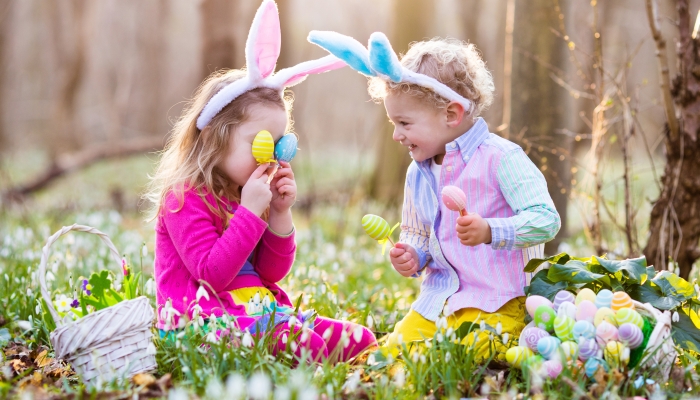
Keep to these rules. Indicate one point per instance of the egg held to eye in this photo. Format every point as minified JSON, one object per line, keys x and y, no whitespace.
{"x":286,"y":147}
{"x":263,"y":147}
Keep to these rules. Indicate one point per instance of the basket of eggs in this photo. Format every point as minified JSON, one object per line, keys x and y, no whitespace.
{"x":594,"y":330}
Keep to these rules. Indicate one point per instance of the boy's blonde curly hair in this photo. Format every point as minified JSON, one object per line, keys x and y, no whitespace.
{"x":455,"y":63}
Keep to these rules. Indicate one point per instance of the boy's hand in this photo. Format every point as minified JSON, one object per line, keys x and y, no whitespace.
{"x":284,"y":188}
{"x":256,"y":194}
{"x":404,"y":259}
{"x":473,"y":230}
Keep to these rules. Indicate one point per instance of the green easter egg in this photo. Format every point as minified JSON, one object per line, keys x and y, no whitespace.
{"x":375,"y":226}
{"x":564,"y":328}
{"x":629,"y":316}
{"x":544,"y":317}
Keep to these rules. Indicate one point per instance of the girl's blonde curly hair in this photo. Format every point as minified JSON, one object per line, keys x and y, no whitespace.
{"x":455,"y":63}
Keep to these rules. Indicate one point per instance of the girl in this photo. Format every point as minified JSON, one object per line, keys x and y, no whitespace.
{"x":224,"y":232}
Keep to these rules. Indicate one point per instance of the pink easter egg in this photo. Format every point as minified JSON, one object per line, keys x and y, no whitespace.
{"x":586,"y":311}
{"x":531,"y":336}
{"x":454,"y":198}
{"x":630,"y":335}
{"x":552,"y":368}
{"x":532,"y":302}
{"x":605,"y":332}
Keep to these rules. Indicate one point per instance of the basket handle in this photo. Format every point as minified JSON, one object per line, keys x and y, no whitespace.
{"x":45,"y":259}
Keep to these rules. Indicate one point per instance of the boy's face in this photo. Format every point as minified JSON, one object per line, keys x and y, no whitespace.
{"x":420,"y":127}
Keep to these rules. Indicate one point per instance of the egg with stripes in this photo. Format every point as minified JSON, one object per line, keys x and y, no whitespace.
{"x":516,"y":355}
{"x":564,"y":328}
{"x":583,"y":330}
{"x":561,"y":297}
{"x":587,"y":349}
{"x":264,"y":147}
{"x":603,"y":298}
{"x":586,"y":311}
{"x":375,"y":226}
{"x":567,"y":309}
{"x":605,"y":332}
{"x":630,"y":335}
{"x":629,"y":316}
{"x":585,"y":294}
{"x":621,"y":300}
{"x":548,"y":346}
{"x":604,"y":314}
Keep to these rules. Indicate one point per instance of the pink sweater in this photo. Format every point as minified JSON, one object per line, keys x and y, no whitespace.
{"x":193,"y":244}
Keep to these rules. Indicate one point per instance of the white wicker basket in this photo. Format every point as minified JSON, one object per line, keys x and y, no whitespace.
{"x":110,"y":343}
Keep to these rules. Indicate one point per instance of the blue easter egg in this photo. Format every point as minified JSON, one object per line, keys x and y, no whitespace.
{"x":583,"y":330}
{"x":604,"y":298}
{"x":286,"y":147}
{"x":593,"y":364}
{"x":547,"y":346}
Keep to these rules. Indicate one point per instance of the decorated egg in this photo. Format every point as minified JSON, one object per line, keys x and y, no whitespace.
{"x":621,"y":300}
{"x":629,"y":316}
{"x":604,"y":314}
{"x":532,"y":302}
{"x":263,"y":147}
{"x":286,"y":147}
{"x":532,"y":364}
{"x":586,"y":311}
{"x":564,"y":328}
{"x":562,"y":296}
{"x":375,"y":226}
{"x":551,"y":368}
{"x":570,"y":350}
{"x":516,"y":355}
{"x":544,"y":317}
{"x":567,"y":309}
{"x":616,"y":354}
{"x":603,"y":298}
{"x":531,"y":336}
{"x":587,"y":349}
{"x":583,"y":330}
{"x":455,"y":200}
{"x":585,"y":294}
{"x":605,"y":332}
{"x":548,"y":346}
{"x":630,"y":335}
{"x":593,"y":364}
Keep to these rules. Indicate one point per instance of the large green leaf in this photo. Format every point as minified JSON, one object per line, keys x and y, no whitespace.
{"x":561,"y":258}
{"x":635,"y":269}
{"x":674,"y":286}
{"x":650,"y":293}
{"x":574,"y":271}
{"x":542,"y":286}
{"x":685,"y":333}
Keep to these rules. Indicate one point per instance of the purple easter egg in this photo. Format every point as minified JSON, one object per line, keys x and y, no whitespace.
{"x":587,"y":349}
{"x":531,"y":336}
{"x":630,"y":335}
{"x":561,"y":297}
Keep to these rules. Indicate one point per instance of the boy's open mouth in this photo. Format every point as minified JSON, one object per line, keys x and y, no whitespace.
{"x":412,"y":147}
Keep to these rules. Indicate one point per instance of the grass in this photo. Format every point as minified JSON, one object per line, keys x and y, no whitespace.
{"x":339,"y":272}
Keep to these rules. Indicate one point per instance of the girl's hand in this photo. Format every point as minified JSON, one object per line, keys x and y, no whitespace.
{"x":284,"y":188}
{"x":404,"y":259}
{"x":473,"y":230}
{"x":256,"y":193}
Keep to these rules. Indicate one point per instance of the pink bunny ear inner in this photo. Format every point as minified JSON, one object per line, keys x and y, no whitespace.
{"x":264,"y":39}
{"x":303,"y":73}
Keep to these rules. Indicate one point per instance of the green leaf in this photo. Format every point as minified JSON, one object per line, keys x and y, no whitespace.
{"x":90,"y":301}
{"x":685,"y":333}
{"x":466,"y":328}
{"x":541,"y":285}
{"x":100,"y":283}
{"x":635,"y":269}
{"x":574,"y":271}
{"x":650,"y":293}
{"x":674,"y":286}
{"x":561,"y":258}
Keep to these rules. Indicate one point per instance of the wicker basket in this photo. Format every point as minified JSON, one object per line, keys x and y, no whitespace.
{"x":110,"y":343}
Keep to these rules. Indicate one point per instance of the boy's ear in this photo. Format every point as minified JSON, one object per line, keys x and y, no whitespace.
{"x":455,"y":114}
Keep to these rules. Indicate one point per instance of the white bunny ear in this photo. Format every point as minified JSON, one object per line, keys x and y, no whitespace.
{"x":296,"y":74}
{"x":262,"y":48}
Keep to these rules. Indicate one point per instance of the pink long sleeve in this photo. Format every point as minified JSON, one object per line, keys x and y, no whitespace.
{"x":275,"y":256}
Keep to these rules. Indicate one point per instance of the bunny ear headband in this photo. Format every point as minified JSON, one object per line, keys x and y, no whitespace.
{"x":262,"y":50}
{"x":380,"y":61}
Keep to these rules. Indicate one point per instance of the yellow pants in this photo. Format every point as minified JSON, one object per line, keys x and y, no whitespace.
{"x":413,"y":327}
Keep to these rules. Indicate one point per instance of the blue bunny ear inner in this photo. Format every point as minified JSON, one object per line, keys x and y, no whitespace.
{"x":382,"y":57}
{"x":344,"y":47}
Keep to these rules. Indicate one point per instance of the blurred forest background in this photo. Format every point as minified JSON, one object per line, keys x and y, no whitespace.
{"x":89,"y":90}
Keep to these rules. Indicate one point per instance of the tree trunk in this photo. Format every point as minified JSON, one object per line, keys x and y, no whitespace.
{"x":4,"y":34}
{"x":675,"y":217}
{"x":539,"y":104}
{"x":218,"y":38}
{"x":412,"y":22}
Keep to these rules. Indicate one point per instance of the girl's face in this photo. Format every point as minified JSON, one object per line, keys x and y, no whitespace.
{"x":239,"y":163}
{"x":423,"y":129}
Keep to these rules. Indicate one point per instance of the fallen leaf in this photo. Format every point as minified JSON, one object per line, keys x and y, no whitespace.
{"x":143,"y":379}
{"x":18,"y":365}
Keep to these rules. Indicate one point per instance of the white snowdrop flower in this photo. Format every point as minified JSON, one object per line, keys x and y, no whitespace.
{"x":185,"y":369}
{"x":370,"y":321}
{"x":304,"y":336}
{"x":178,"y":394}
{"x":352,"y":383}
{"x":399,"y":378}
{"x":697,"y":289}
{"x":439,"y":337}
{"x":446,"y":310}
{"x":423,"y":360}
{"x":284,"y":338}
{"x":448,"y":357}
{"x":482,"y":325}
{"x":24,"y":325}
{"x":212,"y":337}
{"x":283,"y":392}
{"x":214,"y":389}
{"x":490,"y":336}
{"x":485,"y":389}
{"x":117,"y":286}
{"x":499,"y":328}
{"x":308,"y":393}
{"x":327,"y":334}
{"x":389,"y":359}
{"x":415,"y":357}
{"x":399,"y":339}
{"x":151,"y":349}
{"x":675,"y":317}
{"x":144,"y":250}
{"x":37,"y":309}
{"x":29,"y":292}
{"x":292,"y":321}
{"x":505,"y":338}
{"x":247,"y":339}
{"x":202,"y":292}
{"x":357,"y":334}
{"x":259,"y":386}
{"x":235,"y":386}
{"x":371,"y":360}
{"x":150,"y":287}
{"x":294,"y":346}
{"x":428,"y":344}
{"x":50,"y":277}
{"x":319,"y":371}
{"x":181,"y":335}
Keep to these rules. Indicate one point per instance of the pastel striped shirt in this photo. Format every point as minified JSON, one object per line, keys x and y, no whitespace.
{"x":508,"y":191}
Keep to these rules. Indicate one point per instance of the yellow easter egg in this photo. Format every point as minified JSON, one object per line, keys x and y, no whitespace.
{"x":621,"y":300}
{"x":604,"y":314}
{"x":264,"y":147}
{"x":585,"y":294}
{"x":516,"y":355}
{"x":375,"y":226}
{"x":616,"y":354}
{"x":629,"y":316}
